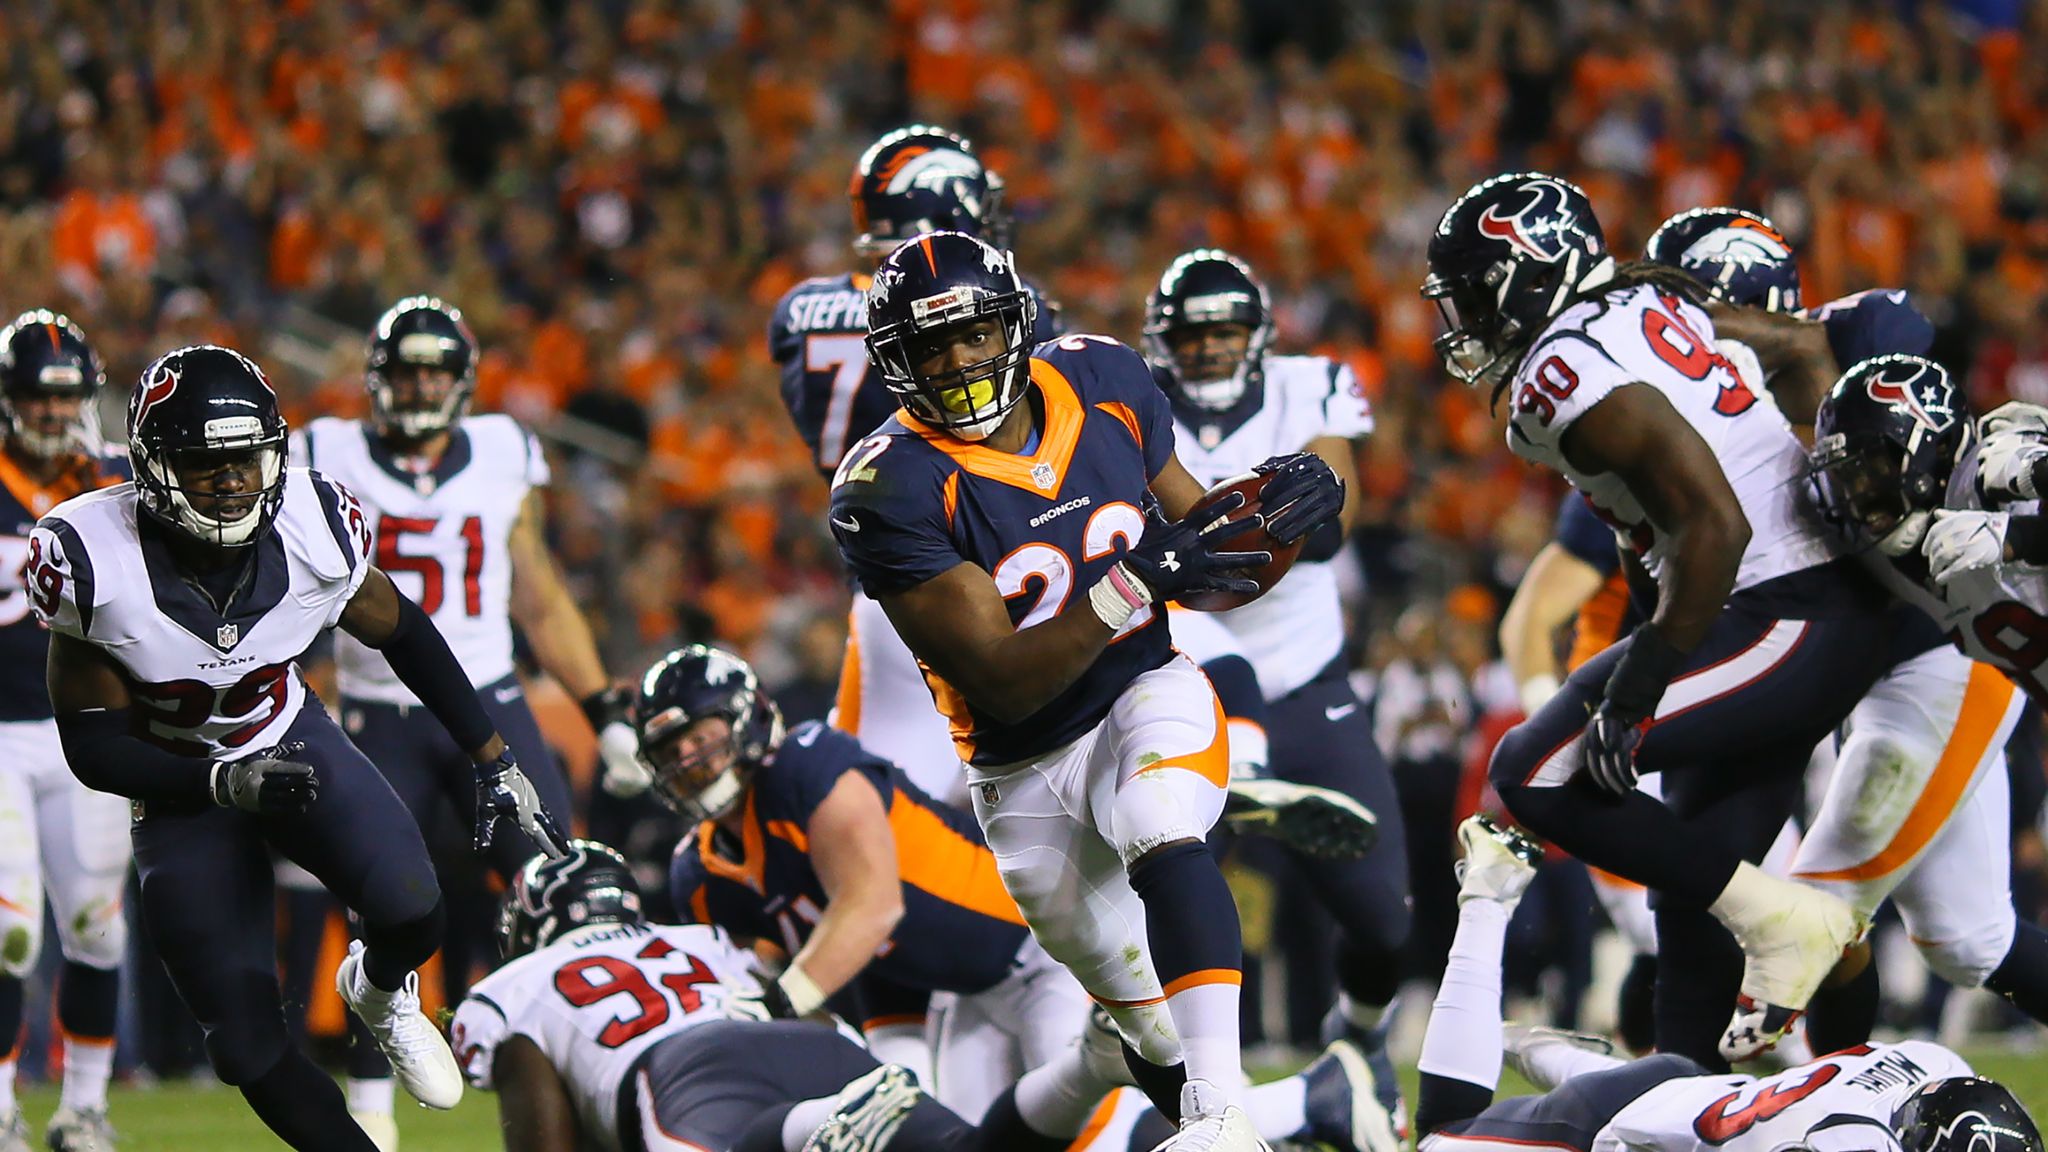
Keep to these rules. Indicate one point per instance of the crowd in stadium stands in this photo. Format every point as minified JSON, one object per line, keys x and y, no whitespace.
{"x":616,"y":194}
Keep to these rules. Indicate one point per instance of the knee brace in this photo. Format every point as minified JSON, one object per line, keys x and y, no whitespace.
{"x":95,"y":935}
{"x":1160,"y":807}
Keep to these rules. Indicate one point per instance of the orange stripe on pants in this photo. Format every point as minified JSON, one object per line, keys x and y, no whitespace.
{"x":1211,"y":763}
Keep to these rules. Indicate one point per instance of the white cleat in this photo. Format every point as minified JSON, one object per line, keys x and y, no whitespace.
{"x":418,"y":1053}
{"x":1207,"y":1125}
{"x":14,"y":1133}
{"x":869,"y":1112}
{"x":1498,"y":864}
{"x":380,"y":1127}
{"x":1792,"y":936}
{"x":1102,"y":1050}
{"x":79,"y":1130}
{"x":1319,"y":822}
{"x":1522,"y":1044}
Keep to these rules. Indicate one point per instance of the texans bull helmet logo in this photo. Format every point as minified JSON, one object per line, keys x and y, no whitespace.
{"x":1920,"y":388}
{"x":1539,"y":226}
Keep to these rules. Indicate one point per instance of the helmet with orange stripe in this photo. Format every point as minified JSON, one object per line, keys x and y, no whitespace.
{"x":50,"y":378}
{"x":705,"y":724}
{"x":924,"y":179}
{"x":934,"y":303}
{"x":1740,"y":256}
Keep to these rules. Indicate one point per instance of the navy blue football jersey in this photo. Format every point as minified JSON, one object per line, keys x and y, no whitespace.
{"x":24,"y":641}
{"x":1878,"y":322}
{"x":1581,"y":532}
{"x":910,"y":503}
{"x":960,"y":930}
{"x":818,"y":337}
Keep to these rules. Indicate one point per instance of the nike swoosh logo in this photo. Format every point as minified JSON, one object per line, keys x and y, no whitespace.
{"x":507,"y":694}
{"x":1339,"y":711}
{"x":849,"y":525}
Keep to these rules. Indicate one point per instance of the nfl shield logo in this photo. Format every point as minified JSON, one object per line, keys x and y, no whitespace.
{"x":1041,"y":475}
{"x":227,"y":637}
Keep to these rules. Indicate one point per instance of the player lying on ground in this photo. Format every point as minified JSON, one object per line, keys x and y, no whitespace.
{"x":1908,"y":1097}
{"x":178,"y":604}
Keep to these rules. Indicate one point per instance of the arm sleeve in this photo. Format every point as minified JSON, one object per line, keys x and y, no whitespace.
{"x":105,"y":757}
{"x":421,"y":659}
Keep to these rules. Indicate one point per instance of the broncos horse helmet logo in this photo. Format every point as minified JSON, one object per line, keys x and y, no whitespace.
{"x":1539,"y":226}
{"x":1919,"y":387}
{"x":1739,"y":243}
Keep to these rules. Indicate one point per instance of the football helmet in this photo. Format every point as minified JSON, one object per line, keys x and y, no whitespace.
{"x":1964,"y":1114}
{"x":43,"y":354}
{"x":936,"y":283}
{"x":555,"y":895}
{"x":1506,"y":257}
{"x":684,"y":688}
{"x":199,"y":402}
{"x":419,"y":334}
{"x":1885,"y":441}
{"x":1203,"y":287}
{"x":1740,"y":256}
{"x":923,"y":179}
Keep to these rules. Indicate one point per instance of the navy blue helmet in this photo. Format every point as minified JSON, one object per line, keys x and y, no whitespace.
{"x":552,"y":896}
{"x":1964,"y":1114}
{"x":703,"y":780}
{"x":924,"y":179}
{"x":1885,"y":442}
{"x":43,"y":354}
{"x":193,"y":406}
{"x":928,"y":290}
{"x":1203,"y":287}
{"x":419,"y":336}
{"x":1506,"y":258}
{"x":1740,"y":256}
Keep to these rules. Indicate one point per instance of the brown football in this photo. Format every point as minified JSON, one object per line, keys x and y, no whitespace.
{"x":1252,"y":540}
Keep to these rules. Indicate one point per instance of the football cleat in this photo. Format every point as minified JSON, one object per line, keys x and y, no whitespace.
{"x":417,"y":1051}
{"x":1498,"y":864}
{"x":1207,"y":1124}
{"x":1521,"y":1043}
{"x":1318,"y":822}
{"x":79,"y":1130}
{"x":868,"y":1113}
{"x":380,"y":1127}
{"x":1344,"y":1106}
{"x":1792,"y":936}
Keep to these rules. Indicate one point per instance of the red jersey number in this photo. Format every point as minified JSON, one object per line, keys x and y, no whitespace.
{"x":1726,"y":1118}
{"x":1693,"y":356}
{"x":433,"y":580}
{"x":588,"y":980}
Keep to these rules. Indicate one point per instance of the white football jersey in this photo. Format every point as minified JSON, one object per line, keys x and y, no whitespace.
{"x":204,"y":685}
{"x":1291,"y":632}
{"x":442,"y":536}
{"x":1737,"y":1113}
{"x":594,"y":1001}
{"x":1638,"y":336}
{"x":1998,"y":615}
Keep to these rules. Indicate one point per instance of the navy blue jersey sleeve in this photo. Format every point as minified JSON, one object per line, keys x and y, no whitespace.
{"x":1111,"y":377}
{"x":808,"y":766}
{"x":889,"y":515}
{"x":1582,"y":534}
{"x":1880,"y":322}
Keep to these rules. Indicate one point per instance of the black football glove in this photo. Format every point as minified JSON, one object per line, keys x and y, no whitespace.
{"x":270,"y":782}
{"x":1302,"y":493}
{"x":504,"y":793}
{"x":1180,"y":558}
{"x":1618,"y":723}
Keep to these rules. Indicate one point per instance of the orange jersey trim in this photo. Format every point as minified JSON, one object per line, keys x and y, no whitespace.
{"x":1985,"y":700}
{"x":1063,"y":418}
{"x":933,"y":858}
{"x":39,"y":499}
{"x":846,"y":702}
{"x":752,"y":870}
{"x":1599,"y":621}
{"x":1203,"y":978}
{"x":952,"y":704}
{"x":1125,"y":416}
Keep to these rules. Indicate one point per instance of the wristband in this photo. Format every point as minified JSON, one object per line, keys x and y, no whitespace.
{"x":1645,"y":670}
{"x":802,"y":992}
{"x":602,"y":707}
{"x":1118,"y":596}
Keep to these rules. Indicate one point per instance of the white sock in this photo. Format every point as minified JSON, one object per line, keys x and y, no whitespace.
{"x":372,"y":1097}
{"x":1278,"y":1110}
{"x":1057,"y":1098}
{"x":1206,"y":1018}
{"x":88,"y":1065}
{"x":903,"y":1044}
{"x":7,"y":1101}
{"x":1462,"y":1041}
{"x":1363,"y":1016}
{"x":805,"y":1118}
{"x":1550,"y":1065}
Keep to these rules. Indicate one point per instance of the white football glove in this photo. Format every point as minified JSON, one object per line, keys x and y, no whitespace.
{"x":2014,"y":417}
{"x":2005,"y":464}
{"x":504,"y":793}
{"x":618,"y":749}
{"x":1960,"y":542}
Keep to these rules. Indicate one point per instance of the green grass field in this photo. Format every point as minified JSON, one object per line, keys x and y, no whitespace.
{"x":188,"y":1118}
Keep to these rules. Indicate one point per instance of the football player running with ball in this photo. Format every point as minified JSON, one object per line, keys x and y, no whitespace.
{"x":1022,"y":523}
{"x":1761,"y":642}
{"x":177,"y":605}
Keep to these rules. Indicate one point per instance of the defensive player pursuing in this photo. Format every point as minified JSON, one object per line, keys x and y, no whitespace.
{"x":458,"y":516}
{"x":1760,"y":643}
{"x":178,"y":604}
{"x":56,"y":835}
{"x":814,"y":844}
{"x":1208,"y":328}
{"x":913,"y":180}
{"x":1908,"y":1097}
{"x":1000,"y":520}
